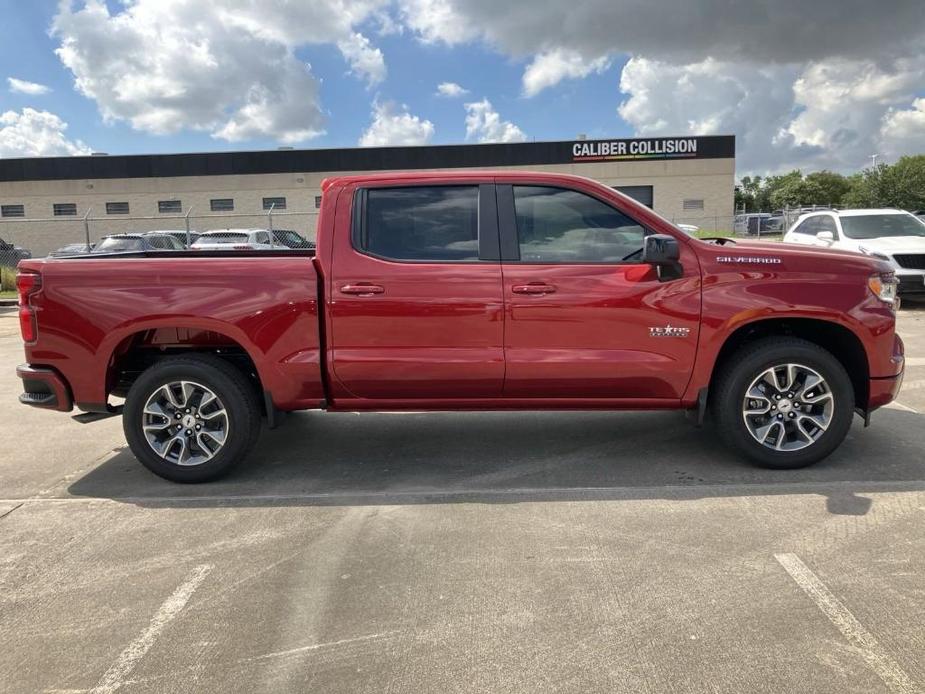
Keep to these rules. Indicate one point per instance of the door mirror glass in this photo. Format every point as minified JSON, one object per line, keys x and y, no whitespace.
{"x":661,"y":249}
{"x":826,"y":236}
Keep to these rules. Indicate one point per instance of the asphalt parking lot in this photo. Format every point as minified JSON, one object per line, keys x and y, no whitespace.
{"x":512,"y":552}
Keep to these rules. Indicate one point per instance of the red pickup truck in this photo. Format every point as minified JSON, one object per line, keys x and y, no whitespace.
{"x":453,"y":291}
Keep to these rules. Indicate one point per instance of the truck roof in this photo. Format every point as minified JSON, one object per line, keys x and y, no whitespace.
{"x":451,"y":174}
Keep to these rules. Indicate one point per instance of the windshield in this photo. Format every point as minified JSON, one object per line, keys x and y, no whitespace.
{"x":120,"y":243}
{"x":227,"y":237}
{"x":875,"y":226}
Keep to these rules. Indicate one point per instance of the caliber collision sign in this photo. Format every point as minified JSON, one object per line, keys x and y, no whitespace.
{"x":653,"y":148}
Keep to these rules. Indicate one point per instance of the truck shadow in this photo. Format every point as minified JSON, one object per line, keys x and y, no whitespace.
{"x":318,"y":459}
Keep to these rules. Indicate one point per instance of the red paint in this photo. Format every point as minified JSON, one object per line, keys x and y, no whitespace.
{"x":487,"y":335}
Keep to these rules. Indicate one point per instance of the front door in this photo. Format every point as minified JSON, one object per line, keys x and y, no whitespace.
{"x":585,"y":318}
{"x":415,"y":295}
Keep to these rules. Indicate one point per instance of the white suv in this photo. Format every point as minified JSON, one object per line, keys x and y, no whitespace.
{"x":235,"y":240}
{"x":892,"y":235}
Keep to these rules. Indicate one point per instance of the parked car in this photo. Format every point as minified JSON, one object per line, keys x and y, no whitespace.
{"x":756,"y":223}
{"x":11,"y":254}
{"x":134,"y":243}
{"x":467,"y":290}
{"x":291,"y":239}
{"x":920,"y":214}
{"x":894,"y":236}
{"x":689,"y":229}
{"x":234,"y":239}
{"x":72,"y":249}
{"x":178,"y":234}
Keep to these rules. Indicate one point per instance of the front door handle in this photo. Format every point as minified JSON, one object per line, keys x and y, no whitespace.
{"x":362,"y":289}
{"x":533,"y":288}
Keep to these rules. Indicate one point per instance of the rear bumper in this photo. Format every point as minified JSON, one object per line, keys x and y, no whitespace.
{"x":44,"y":388}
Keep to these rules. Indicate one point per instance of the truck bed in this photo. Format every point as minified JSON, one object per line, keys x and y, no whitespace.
{"x":259,"y":306}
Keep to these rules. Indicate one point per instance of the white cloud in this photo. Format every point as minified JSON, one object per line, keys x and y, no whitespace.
{"x":32,"y":133}
{"x":437,"y":21}
{"x":802,"y":83}
{"x":549,"y":68}
{"x":903,"y":130}
{"x":680,"y":32}
{"x":23,"y":87}
{"x":484,"y":124}
{"x":831,"y":114}
{"x":451,"y":90}
{"x":393,"y":126}
{"x":365,"y":60}
{"x":228,"y":68}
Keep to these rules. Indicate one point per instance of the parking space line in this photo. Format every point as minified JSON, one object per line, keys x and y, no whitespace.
{"x":915,"y":361}
{"x":135,"y":651}
{"x":913,"y":385}
{"x":896,"y":405}
{"x":867,"y":645}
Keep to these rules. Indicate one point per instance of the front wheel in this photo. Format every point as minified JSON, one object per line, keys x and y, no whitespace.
{"x":783,"y":402}
{"x":191,"y":418}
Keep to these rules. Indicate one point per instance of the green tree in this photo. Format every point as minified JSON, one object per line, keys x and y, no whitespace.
{"x":826,"y":188}
{"x":901,"y":185}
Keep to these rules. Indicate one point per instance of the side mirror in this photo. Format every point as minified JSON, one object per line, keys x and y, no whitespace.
{"x":826,"y":236}
{"x":663,"y":251}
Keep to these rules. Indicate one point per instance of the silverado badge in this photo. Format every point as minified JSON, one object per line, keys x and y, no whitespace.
{"x":668,"y":331}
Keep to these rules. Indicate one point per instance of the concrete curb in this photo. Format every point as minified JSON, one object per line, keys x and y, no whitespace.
{"x":8,"y":302}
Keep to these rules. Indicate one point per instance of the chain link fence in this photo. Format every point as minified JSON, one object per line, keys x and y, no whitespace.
{"x":36,"y":238}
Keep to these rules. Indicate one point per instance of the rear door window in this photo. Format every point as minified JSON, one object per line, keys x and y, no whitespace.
{"x":422,"y":223}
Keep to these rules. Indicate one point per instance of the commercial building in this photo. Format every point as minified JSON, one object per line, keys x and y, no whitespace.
{"x":43,"y":201}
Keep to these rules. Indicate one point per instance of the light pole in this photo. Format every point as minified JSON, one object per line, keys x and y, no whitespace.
{"x":873,"y":160}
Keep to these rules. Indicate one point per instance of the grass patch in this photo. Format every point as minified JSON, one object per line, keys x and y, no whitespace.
{"x":7,"y":281}
{"x":7,"y":295}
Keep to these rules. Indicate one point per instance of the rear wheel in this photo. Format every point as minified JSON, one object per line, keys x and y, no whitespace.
{"x":191,"y":418}
{"x":783,"y":402}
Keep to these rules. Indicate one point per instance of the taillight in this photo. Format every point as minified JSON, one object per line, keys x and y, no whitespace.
{"x":27,"y":284}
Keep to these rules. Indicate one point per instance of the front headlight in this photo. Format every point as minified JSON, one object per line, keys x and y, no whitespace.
{"x":874,"y":254}
{"x":883,"y":287}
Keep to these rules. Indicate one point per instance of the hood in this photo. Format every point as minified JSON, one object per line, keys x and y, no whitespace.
{"x":791,"y":255}
{"x":893,"y":244}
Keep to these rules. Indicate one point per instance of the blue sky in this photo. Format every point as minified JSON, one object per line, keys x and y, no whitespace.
{"x":415,"y":69}
{"x":186,"y":75}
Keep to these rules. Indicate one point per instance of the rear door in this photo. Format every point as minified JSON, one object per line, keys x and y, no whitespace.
{"x":416,"y":301}
{"x":585,"y":318}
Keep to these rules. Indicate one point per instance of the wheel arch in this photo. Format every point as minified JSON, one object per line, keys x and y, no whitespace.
{"x":840,"y":341}
{"x":138,"y":349}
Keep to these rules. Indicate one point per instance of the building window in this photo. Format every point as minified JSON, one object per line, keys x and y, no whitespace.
{"x":222,"y":204}
{"x":275,"y":203}
{"x":116,"y":208}
{"x":169,"y":206}
{"x":692,"y":205}
{"x":317,"y":202}
{"x":12,"y":211}
{"x":641,"y":194}
{"x":64,"y":209}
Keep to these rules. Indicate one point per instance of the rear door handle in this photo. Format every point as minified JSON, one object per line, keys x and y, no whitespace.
{"x":362,"y":289}
{"x":533,"y":288}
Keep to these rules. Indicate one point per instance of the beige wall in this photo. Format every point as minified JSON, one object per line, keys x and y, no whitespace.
{"x":673,"y":181}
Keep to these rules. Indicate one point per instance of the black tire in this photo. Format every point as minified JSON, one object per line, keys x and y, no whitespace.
{"x":742,"y":368}
{"x":234,"y":391}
